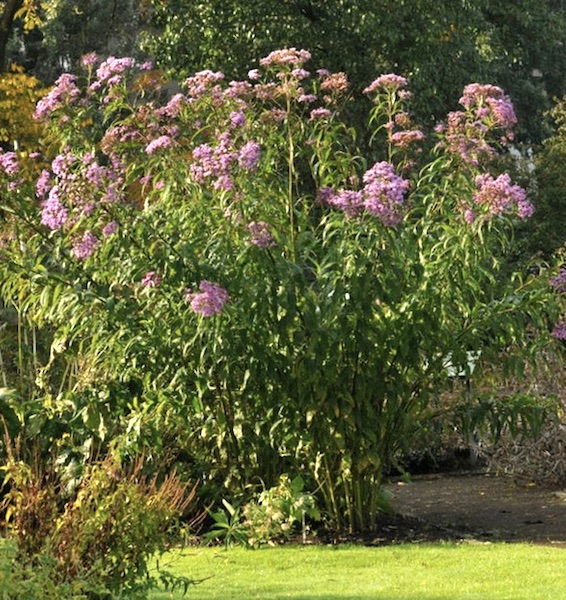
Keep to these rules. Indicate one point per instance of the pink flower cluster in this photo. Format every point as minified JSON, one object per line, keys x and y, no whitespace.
{"x":204,"y":83}
{"x":383,"y":195}
{"x":217,"y":163}
{"x":500,"y":196}
{"x":405,"y":139}
{"x":559,"y":331}
{"x":286,"y":56}
{"x":261,"y":235}
{"x":487,"y":111}
{"x":489,"y":101}
{"x":9,"y":162}
{"x":389,"y":81}
{"x":111,"y":71}
{"x":162,"y":142}
{"x":75,"y":188}
{"x":558,"y":282}
{"x":209,"y":301}
{"x":65,"y":92}
{"x":85,"y":246}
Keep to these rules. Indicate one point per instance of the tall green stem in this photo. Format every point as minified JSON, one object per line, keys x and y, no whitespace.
{"x":290,"y":182}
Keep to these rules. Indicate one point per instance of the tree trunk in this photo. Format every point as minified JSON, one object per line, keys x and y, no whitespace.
{"x":6,"y":23}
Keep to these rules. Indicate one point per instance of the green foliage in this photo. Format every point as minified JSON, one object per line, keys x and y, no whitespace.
{"x":270,"y":516}
{"x":92,"y":537}
{"x":228,"y":526}
{"x":545,"y":234}
{"x":204,"y":270}
{"x":278,"y":510}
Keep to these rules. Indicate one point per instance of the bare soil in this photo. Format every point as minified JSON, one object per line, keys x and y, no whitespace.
{"x":485,"y":506}
{"x":473,"y":507}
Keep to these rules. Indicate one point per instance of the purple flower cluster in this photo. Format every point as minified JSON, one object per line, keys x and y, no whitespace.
{"x":500,"y":196}
{"x":75,"y":188}
{"x":237,"y":118}
{"x":261,"y":235}
{"x":85,"y":246}
{"x":320,"y":114}
{"x":333,"y":83}
{"x":406,"y":139}
{"x":173,"y":107}
{"x":209,"y":301}
{"x":559,"y":281}
{"x":383,"y":195}
{"x":163,"y":141}
{"x":249,"y":155}
{"x":217,"y":163}
{"x":89,"y":60}
{"x":559,"y":331}
{"x":214,"y":163}
{"x":204,"y":83}
{"x":351,"y":202}
{"x":53,"y":213}
{"x":111,"y":71}
{"x":489,"y":101}
{"x":65,"y":92}
{"x":110,"y":229}
{"x":9,"y":162}
{"x":487,"y":111}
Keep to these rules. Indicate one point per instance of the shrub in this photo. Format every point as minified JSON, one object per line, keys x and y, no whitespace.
{"x":19,"y":93}
{"x":228,"y":256}
{"x":93,"y":541}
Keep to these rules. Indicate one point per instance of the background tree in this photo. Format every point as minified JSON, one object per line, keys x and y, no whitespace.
{"x":439,"y":46}
{"x":49,"y":38}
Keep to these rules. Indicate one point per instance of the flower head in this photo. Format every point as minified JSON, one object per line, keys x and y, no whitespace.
{"x":261,"y":235}
{"x":286,"y":56}
{"x":559,"y":331}
{"x":209,"y":301}
{"x":559,"y":281}
{"x":163,"y":141}
{"x":237,"y":118}
{"x":249,"y":155}
{"x":65,"y":92}
{"x":85,"y":246}
{"x":110,"y":228}
{"x":499,"y":195}
{"x":390,"y":82}
{"x":384,"y":193}
{"x":53,"y":213}
{"x":319,"y":114}
{"x":9,"y":162}
{"x":110,"y":71}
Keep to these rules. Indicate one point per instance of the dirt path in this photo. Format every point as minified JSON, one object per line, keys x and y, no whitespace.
{"x":487,"y":507}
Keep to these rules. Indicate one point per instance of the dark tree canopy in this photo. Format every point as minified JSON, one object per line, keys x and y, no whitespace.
{"x":440,"y":46}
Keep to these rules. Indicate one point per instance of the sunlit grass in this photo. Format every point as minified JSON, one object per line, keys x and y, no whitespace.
{"x":405,"y":572}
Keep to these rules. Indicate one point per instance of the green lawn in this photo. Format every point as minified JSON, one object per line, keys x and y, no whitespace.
{"x":406,"y":572}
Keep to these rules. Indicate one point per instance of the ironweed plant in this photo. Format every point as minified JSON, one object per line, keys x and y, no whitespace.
{"x":224,"y":256}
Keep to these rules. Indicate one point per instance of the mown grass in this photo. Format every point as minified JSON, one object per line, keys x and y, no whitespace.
{"x":405,"y":572}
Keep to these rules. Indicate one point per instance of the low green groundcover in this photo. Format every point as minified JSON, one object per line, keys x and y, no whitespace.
{"x":471,"y":571}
